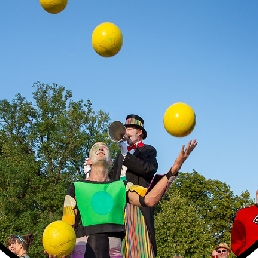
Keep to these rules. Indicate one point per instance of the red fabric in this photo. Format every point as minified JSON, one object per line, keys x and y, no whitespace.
{"x":245,"y":229}
{"x":140,"y":144}
{"x":130,"y":147}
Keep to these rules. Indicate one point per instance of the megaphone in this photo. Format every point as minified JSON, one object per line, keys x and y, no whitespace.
{"x":117,"y":131}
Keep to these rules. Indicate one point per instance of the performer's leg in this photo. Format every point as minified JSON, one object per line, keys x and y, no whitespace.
{"x":115,"y":247}
{"x":137,"y":240}
{"x":80,"y":248}
{"x":97,"y":247}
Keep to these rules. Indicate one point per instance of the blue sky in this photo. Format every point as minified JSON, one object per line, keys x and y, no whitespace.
{"x":203,"y":53}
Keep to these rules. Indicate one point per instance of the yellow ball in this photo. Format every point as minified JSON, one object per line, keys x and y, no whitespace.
{"x":107,"y":39}
{"x":59,"y":238}
{"x":53,"y":6}
{"x":179,"y":119}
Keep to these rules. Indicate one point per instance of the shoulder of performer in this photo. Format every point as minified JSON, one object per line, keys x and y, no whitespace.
{"x":246,"y":209}
{"x":148,"y":148}
{"x":135,"y":188}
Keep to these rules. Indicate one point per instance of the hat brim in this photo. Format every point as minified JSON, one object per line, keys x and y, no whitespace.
{"x":218,"y":247}
{"x":144,"y":132}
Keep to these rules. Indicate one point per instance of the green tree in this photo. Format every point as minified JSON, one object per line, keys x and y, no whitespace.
{"x":43,"y":145}
{"x":179,"y":229}
{"x":209,"y":203}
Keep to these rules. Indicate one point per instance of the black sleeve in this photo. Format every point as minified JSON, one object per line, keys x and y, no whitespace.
{"x":145,"y":164}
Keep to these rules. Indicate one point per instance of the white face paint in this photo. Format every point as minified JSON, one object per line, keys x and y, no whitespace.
{"x":133,"y":135}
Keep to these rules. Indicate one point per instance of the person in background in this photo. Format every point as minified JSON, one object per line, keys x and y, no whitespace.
{"x":223,"y":250}
{"x":10,"y":242}
{"x":214,"y":254}
{"x":244,"y":232}
{"x":22,"y":244}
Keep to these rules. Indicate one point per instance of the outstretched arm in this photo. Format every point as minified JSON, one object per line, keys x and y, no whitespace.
{"x":154,"y":196}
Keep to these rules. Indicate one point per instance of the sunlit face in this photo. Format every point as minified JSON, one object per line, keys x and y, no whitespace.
{"x":223,"y":252}
{"x":18,"y":249}
{"x":11,"y":247}
{"x":214,"y":254}
{"x":133,"y":135}
{"x":99,"y":153}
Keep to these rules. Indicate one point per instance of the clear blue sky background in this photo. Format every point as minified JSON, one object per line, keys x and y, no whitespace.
{"x":200,"y":52}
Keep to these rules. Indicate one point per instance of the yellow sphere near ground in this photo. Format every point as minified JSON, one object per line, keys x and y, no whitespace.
{"x":53,"y":6}
{"x":179,"y":119}
{"x":107,"y":39}
{"x":59,"y":238}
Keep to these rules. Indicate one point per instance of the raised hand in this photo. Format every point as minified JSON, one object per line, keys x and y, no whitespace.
{"x":183,"y":155}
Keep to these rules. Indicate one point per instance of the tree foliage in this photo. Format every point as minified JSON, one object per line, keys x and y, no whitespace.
{"x":196,"y":215}
{"x":178,"y":229}
{"x":43,"y":146}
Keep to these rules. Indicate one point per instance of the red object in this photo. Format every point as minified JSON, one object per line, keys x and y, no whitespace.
{"x":140,"y":144}
{"x":130,"y":147}
{"x":245,"y":229}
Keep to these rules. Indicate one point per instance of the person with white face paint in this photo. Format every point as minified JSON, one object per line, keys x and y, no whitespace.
{"x":137,"y":163}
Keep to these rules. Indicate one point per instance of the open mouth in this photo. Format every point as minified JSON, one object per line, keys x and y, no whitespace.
{"x":98,"y":152}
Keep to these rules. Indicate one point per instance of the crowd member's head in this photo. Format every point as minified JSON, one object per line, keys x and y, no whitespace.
{"x":10,"y":242}
{"x":223,"y":250}
{"x":22,"y":244}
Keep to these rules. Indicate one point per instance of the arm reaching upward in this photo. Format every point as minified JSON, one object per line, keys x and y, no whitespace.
{"x":154,"y":196}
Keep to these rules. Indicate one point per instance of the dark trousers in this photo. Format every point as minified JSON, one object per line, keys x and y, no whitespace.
{"x":97,"y":247}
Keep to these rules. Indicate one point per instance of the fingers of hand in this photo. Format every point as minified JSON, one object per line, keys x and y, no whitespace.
{"x":191,"y":145}
{"x":194,"y":142}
